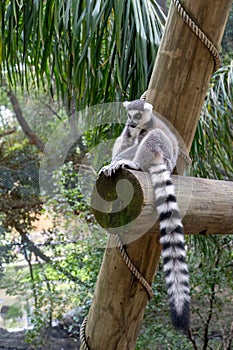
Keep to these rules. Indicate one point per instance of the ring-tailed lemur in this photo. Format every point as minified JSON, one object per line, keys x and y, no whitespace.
{"x":146,"y":143}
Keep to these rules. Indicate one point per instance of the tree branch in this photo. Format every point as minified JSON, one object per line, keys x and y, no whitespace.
{"x":53,"y":111}
{"x":8,"y":132}
{"x":33,"y":138}
{"x":192,"y":339}
{"x":38,"y":253}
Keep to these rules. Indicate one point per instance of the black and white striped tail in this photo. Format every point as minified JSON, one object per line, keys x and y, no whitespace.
{"x":173,"y":251}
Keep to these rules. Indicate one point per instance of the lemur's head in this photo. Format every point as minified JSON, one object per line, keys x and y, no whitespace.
{"x":139,"y":113}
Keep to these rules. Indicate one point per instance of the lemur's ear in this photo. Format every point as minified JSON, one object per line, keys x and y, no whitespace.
{"x":148,"y":107}
{"x":126,"y":103}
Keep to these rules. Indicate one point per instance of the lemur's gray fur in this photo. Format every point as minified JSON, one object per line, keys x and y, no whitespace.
{"x":146,"y":143}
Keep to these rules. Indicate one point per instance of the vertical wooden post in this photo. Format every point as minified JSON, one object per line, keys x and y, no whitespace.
{"x":184,"y":66}
{"x":177,"y":88}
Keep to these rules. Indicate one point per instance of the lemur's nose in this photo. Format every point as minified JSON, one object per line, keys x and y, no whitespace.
{"x":132,"y":125}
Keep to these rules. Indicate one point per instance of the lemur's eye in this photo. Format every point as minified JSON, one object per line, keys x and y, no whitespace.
{"x":137,"y":116}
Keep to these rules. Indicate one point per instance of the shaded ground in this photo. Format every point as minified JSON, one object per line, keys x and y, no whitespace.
{"x":56,"y":338}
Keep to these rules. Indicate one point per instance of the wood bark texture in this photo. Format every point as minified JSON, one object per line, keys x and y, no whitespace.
{"x":177,"y":89}
{"x":206,"y":205}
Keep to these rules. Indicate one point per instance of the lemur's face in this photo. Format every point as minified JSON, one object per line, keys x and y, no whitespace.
{"x":137,"y":119}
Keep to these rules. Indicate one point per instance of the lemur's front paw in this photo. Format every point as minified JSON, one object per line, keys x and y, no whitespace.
{"x":103,"y":170}
{"x":110,"y":169}
{"x":125,"y":163}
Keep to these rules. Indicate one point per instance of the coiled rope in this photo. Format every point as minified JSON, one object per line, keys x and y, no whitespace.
{"x":82,"y":335}
{"x":199,"y":33}
{"x":132,"y":268}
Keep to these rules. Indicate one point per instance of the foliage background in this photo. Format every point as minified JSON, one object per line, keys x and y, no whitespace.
{"x":57,"y":58}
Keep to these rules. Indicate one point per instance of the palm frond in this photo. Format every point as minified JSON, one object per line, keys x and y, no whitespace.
{"x":82,"y":50}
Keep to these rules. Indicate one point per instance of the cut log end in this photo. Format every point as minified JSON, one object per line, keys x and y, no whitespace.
{"x":124,"y":202}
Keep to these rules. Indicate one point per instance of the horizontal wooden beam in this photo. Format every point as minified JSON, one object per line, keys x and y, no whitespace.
{"x":125,"y":203}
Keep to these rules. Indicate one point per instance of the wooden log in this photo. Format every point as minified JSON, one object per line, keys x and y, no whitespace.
{"x":177,"y":88}
{"x":206,"y":205}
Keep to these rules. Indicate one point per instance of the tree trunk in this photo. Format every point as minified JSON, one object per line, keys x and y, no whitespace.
{"x":177,"y":89}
